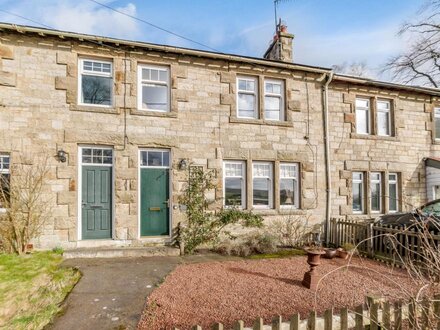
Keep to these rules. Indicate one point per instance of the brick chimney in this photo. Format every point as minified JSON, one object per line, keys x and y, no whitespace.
{"x":281,"y":48}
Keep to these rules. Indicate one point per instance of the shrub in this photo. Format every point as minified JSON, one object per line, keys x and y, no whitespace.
{"x":291,"y":231}
{"x":24,"y":202}
{"x":248,"y":244}
{"x":204,"y":225}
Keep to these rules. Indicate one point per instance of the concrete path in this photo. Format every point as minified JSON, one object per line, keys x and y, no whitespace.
{"x":112,"y":292}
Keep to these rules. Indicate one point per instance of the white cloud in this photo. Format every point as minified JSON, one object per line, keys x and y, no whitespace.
{"x":80,"y":16}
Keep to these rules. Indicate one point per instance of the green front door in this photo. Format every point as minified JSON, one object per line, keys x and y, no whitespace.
{"x":96,"y":202}
{"x":154,"y":201}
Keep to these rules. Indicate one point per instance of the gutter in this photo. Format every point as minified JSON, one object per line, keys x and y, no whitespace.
{"x":328,"y":180}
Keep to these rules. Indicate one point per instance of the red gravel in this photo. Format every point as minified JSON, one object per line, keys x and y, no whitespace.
{"x":224,"y":292}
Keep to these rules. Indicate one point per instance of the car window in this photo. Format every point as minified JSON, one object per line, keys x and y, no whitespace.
{"x":432,"y":209}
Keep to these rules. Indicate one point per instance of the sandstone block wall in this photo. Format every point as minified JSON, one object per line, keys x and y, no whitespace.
{"x":39,"y":114}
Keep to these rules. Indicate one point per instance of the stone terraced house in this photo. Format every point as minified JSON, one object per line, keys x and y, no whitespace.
{"x":122,"y":123}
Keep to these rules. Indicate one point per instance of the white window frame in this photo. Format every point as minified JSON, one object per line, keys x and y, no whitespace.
{"x":396,"y":183}
{"x":367,"y":110}
{"x":280,"y":96}
{"x":162,"y":151}
{"x":94,"y":73}
{"x":387,"y":112}
{"x":243,"y":181}
{"x":374,"y":182}
{"x":142,"y":82}
{"x":271,"y":185}
{"x":294,"y":178}
{"x":97,"y":148}
{"x":5,"y":171}
{"x":360,"y":181}
{"x":247,"y":92}
{"x":436,"y":118}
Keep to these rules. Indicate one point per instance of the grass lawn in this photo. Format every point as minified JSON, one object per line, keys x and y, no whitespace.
{"x":32,"y":288}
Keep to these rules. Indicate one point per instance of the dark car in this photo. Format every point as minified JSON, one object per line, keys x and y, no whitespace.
{"x":428,"y":214}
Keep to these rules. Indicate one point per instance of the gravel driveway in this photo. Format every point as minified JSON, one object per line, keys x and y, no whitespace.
{"x":244,"y":290}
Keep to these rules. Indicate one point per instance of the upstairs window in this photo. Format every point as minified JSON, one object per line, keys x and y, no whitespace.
{"x":154,"y":88}
{"x":437,"y":123}
{"x":262,"y":185}
{"x":247,"y":103}
{"x":289,"y":194}
{"x":95,"y":82}
{"x":383,"y":118}
{"x":4,"y":180}
{"x":363,"y":116}
{"x":234,"y":183}
{"x":274,"y":100}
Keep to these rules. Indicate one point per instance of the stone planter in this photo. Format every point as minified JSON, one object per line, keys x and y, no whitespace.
{"x":311,"y":278}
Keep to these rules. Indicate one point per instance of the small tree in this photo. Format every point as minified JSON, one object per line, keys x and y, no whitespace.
{"x":26,"y":209}
{"x":204,"y":225}
{"x":419,"y":64}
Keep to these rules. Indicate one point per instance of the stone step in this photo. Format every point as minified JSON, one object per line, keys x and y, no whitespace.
{"x":120,"y":252}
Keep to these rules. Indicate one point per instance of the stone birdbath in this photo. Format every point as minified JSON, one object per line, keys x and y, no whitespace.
{"x":311,"y":277}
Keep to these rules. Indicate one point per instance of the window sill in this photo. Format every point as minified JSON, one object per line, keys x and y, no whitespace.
{"x":264,"y":212}
{"x":169,"y":114}
{"x":373,"y":137}
{"x":91,"y":108}
{"x":259,"y":122}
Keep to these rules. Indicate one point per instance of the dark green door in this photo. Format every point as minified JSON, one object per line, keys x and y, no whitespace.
{"x":96,"y":202}
{"x":154,"y":202}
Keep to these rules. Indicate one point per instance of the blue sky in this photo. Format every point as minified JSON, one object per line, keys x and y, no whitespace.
{"x":326,"y":32}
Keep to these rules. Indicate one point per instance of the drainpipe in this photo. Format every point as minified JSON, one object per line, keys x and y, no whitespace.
{"x":327,"y":158}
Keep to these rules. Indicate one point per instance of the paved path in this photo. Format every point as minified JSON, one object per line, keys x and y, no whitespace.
{"x":112,"y":292}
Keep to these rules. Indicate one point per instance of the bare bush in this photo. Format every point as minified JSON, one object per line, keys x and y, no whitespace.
{"x":26,"y":206}
{"x":292,"y":230}
{"x":245,"y":245}
{"x":420,"y":63}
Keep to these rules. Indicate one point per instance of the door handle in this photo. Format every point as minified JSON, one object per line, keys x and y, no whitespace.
{"x":167,"y":202}
{"x":154,"y":208}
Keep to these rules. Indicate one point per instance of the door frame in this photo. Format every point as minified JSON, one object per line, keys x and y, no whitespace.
{"x":79,"y":186}
{"x":170,"y":184}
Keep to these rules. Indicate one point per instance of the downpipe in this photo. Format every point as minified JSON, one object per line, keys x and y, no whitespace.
{"x":327,"y":157}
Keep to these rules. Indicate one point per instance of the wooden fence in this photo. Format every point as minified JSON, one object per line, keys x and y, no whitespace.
{"x":382,"y":241}
{"x":383,"y":315}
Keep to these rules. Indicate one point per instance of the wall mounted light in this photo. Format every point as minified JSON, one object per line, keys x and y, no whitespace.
{"x":183,"y":164}
{"x":61,"y":155}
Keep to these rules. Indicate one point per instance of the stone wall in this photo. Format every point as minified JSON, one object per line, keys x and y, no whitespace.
{"x":39,"y":113}
{"x":403,"y":153}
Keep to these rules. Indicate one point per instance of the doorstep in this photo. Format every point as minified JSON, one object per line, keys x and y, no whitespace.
{"x":121,"y":252}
